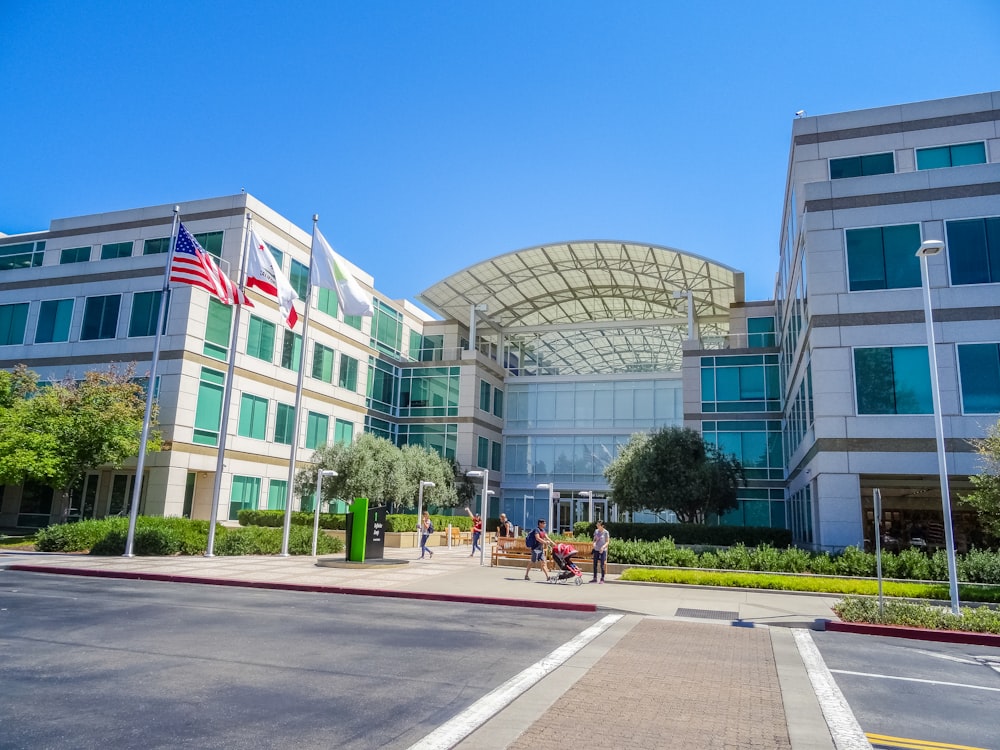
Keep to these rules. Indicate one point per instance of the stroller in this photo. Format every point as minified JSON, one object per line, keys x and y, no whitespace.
{"x":563,"y":553}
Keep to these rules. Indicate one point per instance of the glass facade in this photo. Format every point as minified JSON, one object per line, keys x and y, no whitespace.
{"x":626,"y":405}
{"x":428,"y":391}
{"x":893,"y":380}
{"x":740,"y":383}
{"x":958,"y":155}
{"x":442,"y":438}
{"x":54,"y":318}
{"x":979,"y":369}
{"x":883,"y":257}
{"x":145,"y":314}
{"x":387,"y":329}
{"x":383,"y":382}
{"x":22,"y":255}
{"x":974,"y":250}
{"x":100,"y":317}
{"x":13,"y":319}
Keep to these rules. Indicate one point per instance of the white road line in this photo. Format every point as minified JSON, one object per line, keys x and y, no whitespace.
{"x":915,"y":679}
{"x":465,"y":723}
{"x":844,"y":728}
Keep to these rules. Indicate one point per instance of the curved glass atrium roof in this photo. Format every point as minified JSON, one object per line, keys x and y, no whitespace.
{"x":591,"y":307}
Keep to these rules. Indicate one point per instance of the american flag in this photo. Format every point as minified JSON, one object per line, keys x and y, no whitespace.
{"x":193,"y":265}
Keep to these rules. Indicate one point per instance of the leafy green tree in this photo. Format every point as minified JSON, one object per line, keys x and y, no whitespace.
{"x":53,"y":435}
{"x":986,"y":498}
{"x":674,"y":469}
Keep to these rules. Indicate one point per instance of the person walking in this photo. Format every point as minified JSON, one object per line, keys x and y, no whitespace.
{"x":426,"y":529}
{"x":536,"y":541}
{"x":477,"y":531}
{"x":601,"y":541}
{"x":505,"y":528}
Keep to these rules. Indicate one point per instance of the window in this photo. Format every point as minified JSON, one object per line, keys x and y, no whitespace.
{"x":862,"y":166}
{"x":253,"y":417}
{"x":883,"y":257}
{"x":244,"y":495}
{"x":484,"y":395}
{"x":218,"y":328}
{"x":211,"y":242}
{"x":277,"y":491}
{"x":429,"y":391}
{"x":291,"y":350}
{"x":260,"y":339}
{"x":483,"y":453}
{"x":959,"y":155}
{"x":979,"y":366}
{"x":974,"y":250}
{"x":284,"y":424}
{"x":114,"y":250}
{"x":145,"y":313}
{"x":208,"y":411}
{"x":299,"y":278}
{"x":326,"y":301}
{"x":279,"y":257}
{"x":497,"y":403}
{"x":441,"y":438}
{"x":322,"y":365}
{"x":100,"y":317}
{"x":383,"y":386}
{"x":74,"y":255}
{"x":22,"y":255}
{"x":893,"y":380}
{"x":494,"y":456}
{"x":343,"y":432}
{"x":348,"y":373}
{"x":760,"y":332}
{"x":156,"y":246}
{"x":387,"y":329}
{"x":740,"y":383}
{"x":54,"y":318}
{"x":317,"y":430}
{"x":13,"y":319}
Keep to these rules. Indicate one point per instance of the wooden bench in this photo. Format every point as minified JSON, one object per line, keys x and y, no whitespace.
{"x":515,"y":549}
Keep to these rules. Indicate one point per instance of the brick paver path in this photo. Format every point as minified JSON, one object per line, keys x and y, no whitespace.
{"x":671,"y":684}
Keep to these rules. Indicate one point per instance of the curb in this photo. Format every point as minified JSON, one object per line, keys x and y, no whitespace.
{"x":919,"y":634}
{"x":425,"y":596}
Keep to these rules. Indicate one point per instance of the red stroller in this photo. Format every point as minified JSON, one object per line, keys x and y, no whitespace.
{"x":563,"y":553}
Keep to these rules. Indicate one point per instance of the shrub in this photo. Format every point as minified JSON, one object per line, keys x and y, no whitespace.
{"x":854,"y":562}
{"x":276,"y":519}
{"x":690,"y":533}
{"x":77,"y":537}
{"x":263,"y":540}
{"x":978,"y":566}
{"x":918,"y":615}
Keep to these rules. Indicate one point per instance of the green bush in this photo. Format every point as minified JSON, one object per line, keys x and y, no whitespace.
{"x":77,"y":537}
{"x":264,"y":540}
{"x":690,"y":533}
{"x":276,"y":519}
{"x":408,"y":522}
{"x":918,"y":615}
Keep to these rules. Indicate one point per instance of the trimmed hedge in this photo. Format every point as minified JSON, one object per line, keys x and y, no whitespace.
{"x":393,"y":521}
{"x":690,"y":533}
{"x":918,"y":615}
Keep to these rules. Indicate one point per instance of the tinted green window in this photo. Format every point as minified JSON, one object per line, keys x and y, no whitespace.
{"x":958,"y":155}
{"x":387,"y":329}
{"x":13,"y":319}
{"x":218,"y":328}
{"x":145,"y":313}
{"x":317,"y":430}
{"x":244,"y":495}
{"x":322,"y":364}
{"x":343,"y":432}
{"x":299,"y":278}
{"x":291,"y":350}
{"x":74,"y":255}
{"x":22,"y":255}
{"x":862,"y":166}
{"x":279,"y":257}
{"x":156,"y":246}
{"x":348,"y":377}
{"x":979,"y":365}
{"x":497,"y":403}
{"x":260,"y":339}
{"x":100,"y":317}
{"x":284,"y":424}
{"x":326,"y":301}
{"x":893,"y":380}
{"x":277,"y":492}
{"x":382,"y":386}
{"x":116,"y":250}
{"x":211,"y":242}
{"x":974,"y":250}
{"x":354,"y":321}
{"x":760,"y":332}
{"x":253,"y":417}
{"x":883,"y":257}
{"x":495,"y":462}
{"x":208,"y":411}
{"x":484,"y":395}
{"x":483,"y":453}
{"x":54,"y":318}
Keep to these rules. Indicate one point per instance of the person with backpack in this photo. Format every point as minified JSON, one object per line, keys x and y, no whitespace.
{"x":505,"y":528}
{"x":426,"y":529}
{"x":536,"y":541}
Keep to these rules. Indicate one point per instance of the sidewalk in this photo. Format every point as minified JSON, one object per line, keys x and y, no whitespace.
{"x":676,"y":671}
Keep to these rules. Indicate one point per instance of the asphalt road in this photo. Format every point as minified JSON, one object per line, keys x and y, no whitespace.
{"x":101,"y":663}
{"x":937,"y":693}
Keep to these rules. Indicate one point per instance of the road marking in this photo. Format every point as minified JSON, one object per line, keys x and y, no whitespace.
{"x":844,"y":728}
{"x":465,"y":723}
{"x":915,"y":679}
{"x":887,"y":741}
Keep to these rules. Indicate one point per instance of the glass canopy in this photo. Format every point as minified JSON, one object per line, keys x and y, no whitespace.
{"x":591,"y":306}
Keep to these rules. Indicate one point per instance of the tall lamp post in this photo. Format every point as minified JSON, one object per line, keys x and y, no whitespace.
{"x":552,"y":498}
{"x":927,"y":249}
{"x":590,"y":504}
{"x":319,"y":501}
{"x":420,"y":504}
{"x":485,"y":474}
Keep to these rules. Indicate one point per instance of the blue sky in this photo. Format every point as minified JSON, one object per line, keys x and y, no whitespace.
{"x":431,"y":135}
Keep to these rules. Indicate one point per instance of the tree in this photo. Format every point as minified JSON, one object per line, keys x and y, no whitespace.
{"x":986,"y":498}
{"x":53,"y":435}
{"x":674,"y":469}
{"x":373,"y":467}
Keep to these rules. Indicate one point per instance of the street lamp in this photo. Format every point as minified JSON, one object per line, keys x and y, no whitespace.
{"x":927,"y":249}
{"x":319,"y":500}
{"x":420,"y":504}
{"x":552,"y":498}
{"x":590,"y":504}
{"x":485,"y":474}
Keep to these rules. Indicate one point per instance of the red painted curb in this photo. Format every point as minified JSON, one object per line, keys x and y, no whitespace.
{"x":920,"y":634}
{"x":426,"y":596}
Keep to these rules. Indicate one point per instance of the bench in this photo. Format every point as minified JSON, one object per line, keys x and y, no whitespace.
{"x":515,"y":549}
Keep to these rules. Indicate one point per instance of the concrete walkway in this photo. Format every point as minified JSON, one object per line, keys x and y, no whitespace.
{"x":685,"y":667}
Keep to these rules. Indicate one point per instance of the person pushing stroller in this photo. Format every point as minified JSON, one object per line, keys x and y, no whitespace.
{"x":563,"y":553}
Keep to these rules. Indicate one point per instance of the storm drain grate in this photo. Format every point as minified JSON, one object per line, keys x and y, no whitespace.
{"x":707,"y":614}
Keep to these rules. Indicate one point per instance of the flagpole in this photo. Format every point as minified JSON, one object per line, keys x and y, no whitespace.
{"x":298,"y":404}
{"x":150,"y":387}
{"x":227,"y":394}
